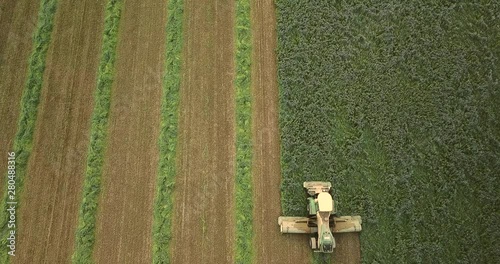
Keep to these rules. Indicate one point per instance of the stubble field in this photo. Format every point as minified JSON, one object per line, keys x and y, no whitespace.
{"x":50,"y":198}
{"x":203,"y":210}
{"x":125,"y":215}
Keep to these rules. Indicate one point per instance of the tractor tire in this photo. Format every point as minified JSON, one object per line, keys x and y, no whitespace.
{"x":312,"y":243}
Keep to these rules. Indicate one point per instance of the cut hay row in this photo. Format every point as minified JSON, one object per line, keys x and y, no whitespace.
{"x":163,"y":206}
{"x":85,"y":235}
{"x":29,"y":108}
{"x":244,"y":194}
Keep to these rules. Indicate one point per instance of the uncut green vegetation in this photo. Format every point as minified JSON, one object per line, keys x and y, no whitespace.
{"x":244,"y":194}
{"x":163,"y":207}
{"x":29,"y":108}
{"x":397,"y":105}
{"x":85,"y":234}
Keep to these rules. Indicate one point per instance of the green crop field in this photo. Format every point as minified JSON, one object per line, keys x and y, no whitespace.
{"x":397,"y":105}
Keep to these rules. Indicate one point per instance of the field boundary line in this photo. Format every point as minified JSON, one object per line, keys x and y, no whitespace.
{"x":167,"y":143}
{"x":85,"y":234}
{"x":29,"y":111}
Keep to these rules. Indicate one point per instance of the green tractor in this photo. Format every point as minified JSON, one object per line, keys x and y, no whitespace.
{"x":322,"y":221}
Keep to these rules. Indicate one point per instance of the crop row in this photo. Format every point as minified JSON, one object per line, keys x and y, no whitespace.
{"x":29,"y":109}
{"x":163,"y":207}
{"x":85,"y":234}
{"x":396,"y":105}
{"x":244,"y":209}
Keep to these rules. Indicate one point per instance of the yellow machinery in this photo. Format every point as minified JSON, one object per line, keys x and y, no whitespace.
{"x":322,"y":221}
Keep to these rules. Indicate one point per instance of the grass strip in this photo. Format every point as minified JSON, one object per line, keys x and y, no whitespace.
{"x":29,"y":110}
{"x":85,"y":234}
{"x":163,"y":206}
{"x":244,"y":193}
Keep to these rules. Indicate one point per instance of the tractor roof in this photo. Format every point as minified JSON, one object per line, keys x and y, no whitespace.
{"x":325,"y":202}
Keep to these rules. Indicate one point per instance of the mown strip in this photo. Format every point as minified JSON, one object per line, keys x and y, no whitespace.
{"x":163,"y":207}
{"x":244,"y":208}
{"x":85,"y":234}
{"x":29,"y":110}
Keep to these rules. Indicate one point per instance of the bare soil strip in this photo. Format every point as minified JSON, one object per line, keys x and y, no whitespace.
{"x":17,"y":22}
{"x":270,"y":245}
{"x":204,"y":230}
{"x":125,"y":216}
{"x":348,"y":250}
{"x":48,"y":216}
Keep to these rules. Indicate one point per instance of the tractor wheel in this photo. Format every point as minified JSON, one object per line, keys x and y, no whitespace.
{"x":312,"y":243}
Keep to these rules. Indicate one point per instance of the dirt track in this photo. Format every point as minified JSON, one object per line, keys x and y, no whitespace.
{"x":17,"y":23}
{"x":269,"y":245}
{"x":124,"y":221}
{"x":204,"y":193}
{"x":49,"y":203}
